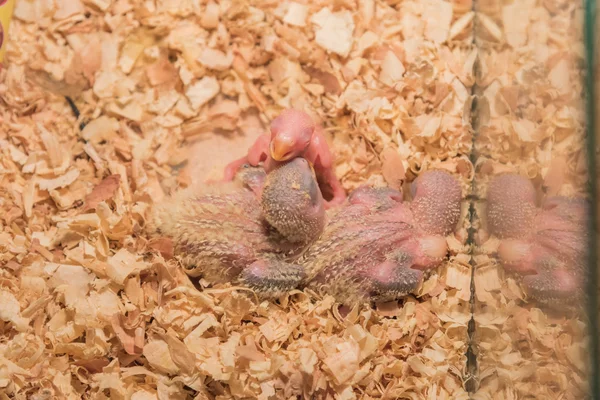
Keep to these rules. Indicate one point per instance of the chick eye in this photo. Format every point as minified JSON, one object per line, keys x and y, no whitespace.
{"x":308,"y":132}
{"x":313,"y":192}
{"x":246,"y":166}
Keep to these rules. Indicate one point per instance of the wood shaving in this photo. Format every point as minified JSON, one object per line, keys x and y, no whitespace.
{"x":334,"y":31}
{"x":199,"y":93}
{"x":103,"y":191}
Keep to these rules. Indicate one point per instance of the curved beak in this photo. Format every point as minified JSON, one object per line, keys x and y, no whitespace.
{"x":281,"y":148}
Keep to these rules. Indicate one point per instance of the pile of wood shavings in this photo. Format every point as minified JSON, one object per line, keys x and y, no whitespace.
{"x":90,"y":307}
{"x":531,"y":120}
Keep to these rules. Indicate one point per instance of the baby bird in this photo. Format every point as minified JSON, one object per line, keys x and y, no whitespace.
{"x":268,"y":231}
{"x":377,"y":247}
{"x":248,"y":231}
{"x":294,"y":134}
{"x":546,"y":245}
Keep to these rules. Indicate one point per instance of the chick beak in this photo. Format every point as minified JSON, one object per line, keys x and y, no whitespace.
{"x":281,"y":148}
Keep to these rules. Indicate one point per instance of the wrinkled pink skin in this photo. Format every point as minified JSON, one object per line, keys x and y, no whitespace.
{"x":546,"y":245}
{"x":293,"y":134}
{"x":378,"y":247}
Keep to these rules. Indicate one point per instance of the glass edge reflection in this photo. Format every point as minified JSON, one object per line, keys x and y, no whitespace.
{"x":589,"y":37}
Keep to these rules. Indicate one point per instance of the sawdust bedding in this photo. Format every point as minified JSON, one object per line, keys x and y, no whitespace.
{"x":169,"y":92}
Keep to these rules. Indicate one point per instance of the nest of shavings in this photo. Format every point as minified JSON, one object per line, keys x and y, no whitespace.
{"x":169,"y":92}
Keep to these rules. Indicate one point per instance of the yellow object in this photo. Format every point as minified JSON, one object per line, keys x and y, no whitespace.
{"x":6,"y":11}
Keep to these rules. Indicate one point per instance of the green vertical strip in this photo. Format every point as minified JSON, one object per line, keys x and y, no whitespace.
{"x":590,"y":20}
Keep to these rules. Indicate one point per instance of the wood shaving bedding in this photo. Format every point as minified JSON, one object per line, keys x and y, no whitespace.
{"x":170,"y":91}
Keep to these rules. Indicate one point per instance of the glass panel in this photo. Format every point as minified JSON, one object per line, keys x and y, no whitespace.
{"x":531,"y":208}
